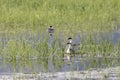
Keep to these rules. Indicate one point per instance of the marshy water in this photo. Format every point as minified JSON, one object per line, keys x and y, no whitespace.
{"x":33,"y":54}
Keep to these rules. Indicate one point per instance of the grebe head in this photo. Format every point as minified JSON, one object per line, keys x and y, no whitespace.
{"x":69,"y":40}
{"x":50,"y":26}
{"x":50,"y":30}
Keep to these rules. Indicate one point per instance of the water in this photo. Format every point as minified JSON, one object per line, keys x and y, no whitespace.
{"x":54,"y":63}
{"x":61,"y":69}
{"x":57,"y":65}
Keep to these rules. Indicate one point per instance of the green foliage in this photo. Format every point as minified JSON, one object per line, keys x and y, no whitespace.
{"x":83,"y":15}
{"x":14,"y":50}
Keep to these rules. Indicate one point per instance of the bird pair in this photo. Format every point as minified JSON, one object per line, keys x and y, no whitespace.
{"x":69,"y":47}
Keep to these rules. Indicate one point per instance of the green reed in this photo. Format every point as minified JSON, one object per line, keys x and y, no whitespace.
{"x":83,"y":15}
{"x":26,"y":48}
{"x":103,"y":46}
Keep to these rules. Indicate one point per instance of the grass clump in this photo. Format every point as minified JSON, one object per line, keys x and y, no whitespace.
{"x":14,"y":50}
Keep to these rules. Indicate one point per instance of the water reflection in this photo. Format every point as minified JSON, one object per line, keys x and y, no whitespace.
{"x":53,"y":64}
{"x":68,"y":58}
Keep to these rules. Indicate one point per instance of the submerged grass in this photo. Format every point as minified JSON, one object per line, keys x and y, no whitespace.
{"x":47,"y":52}
{"x":14,"y":50}
{"x":28,"y":46}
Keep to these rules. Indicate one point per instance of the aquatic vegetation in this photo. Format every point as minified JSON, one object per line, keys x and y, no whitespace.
{"x":26,"y":47}
{"x":14,"y":50}
{"x":30,"y":46}
{"x":88,"y":18}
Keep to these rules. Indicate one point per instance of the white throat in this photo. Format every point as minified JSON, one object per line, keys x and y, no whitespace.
{"x":69,"y":47}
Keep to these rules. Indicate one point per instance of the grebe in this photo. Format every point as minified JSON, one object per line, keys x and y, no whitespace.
{"x":69,"y":48}
{"x":50,"y":30}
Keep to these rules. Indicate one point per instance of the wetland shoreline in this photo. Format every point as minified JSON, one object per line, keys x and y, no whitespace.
{"x":112,"y":73}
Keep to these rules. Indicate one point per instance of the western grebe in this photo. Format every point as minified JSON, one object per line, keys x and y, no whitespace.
{"x":69,"y":48}
{"x":50,"y":30}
